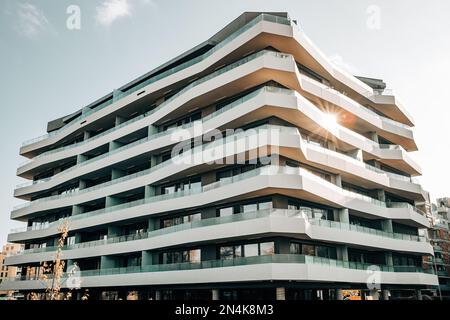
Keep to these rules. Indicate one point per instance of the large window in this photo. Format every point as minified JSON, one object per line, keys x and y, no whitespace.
{"x":192,"y":256}
{"x":308,"y":249}
{"x":251,"y":250}
{"x":191,"y":184}
{"x":227,"y":252}
{"x":247,"y":250}
{"x":311,"y":211}
{"x":169,"y":222}
{"x":223,"y":212}
{"x":267,"y":248}
{"x":313,"y":250}
{"x":246,"y":207}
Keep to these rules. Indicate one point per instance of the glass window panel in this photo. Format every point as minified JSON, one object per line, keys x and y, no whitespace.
{"x":322,"y":252}
{"x":249,"y":208}
{"x":195,"y":256}
{"x":295,"y":248}
{"x":251,"y":250}
{"x":238,"y":251}
{"x":196,"y":186}
{"x":226,"y":252}
{"x":167,"y":223}
{"x":70,"y":240}
{"x":265,"y":205}
{"x":308,"y":250}
{"x":267,"y":248}
{"x":169,"y":190}
{"x":196,"y":217}
{"x":226,"y":211}
{"x":185,"y":256}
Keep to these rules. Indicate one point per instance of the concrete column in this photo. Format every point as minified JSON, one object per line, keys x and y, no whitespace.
{"x":152,"y":130}
{"x":150,"y":191}
{"x":342,"y":253}
{"x":344,"y":216}
{"x":82,"y":184}
{"x":77,"y":237}
{"x":389,"y":260}
{"x":381,"y":194}
{"x":215,"y":294}
{"x":115,"y":145}
{"x":281,"y":293}
{"x":373,"y":136}
{"x":337,"y":180}
{"x":339,"y":294}
{"x":386,"y":225}
{"x":69,"y":264}
{"x":112,"y":201}
{"x":147,"y":258}
{"x":153,"y":161}
{"x":76,"y":209}
{"x":81,"y":158}
{"x":119,"y":120}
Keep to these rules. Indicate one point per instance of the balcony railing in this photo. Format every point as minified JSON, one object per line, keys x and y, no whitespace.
{"x":162,"y":106}
{"x":230,"y":219}
{"x":262,"y":17}
{"x":360,"y":163}
{"x":227,"y":107}
{"x":195,"y":150}
{"x":267,"y":170}
{"x":373,"y":113}
{"x":244,"y":261}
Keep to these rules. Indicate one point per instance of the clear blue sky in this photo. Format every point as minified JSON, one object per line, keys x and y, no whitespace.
{"x":47,"y":70}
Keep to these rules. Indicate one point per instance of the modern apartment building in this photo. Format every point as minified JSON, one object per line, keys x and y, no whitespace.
{"x":7,"y":272}
{"x":440,"y":240}
{"x":248,"y":167}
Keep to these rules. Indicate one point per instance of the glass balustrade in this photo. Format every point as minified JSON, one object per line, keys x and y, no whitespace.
{"x":262,"y":17}
{"x":228,"y":219}
{"x":243,"y":261}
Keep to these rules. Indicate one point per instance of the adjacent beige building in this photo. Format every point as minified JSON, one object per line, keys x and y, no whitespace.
{"x":5,"y":270}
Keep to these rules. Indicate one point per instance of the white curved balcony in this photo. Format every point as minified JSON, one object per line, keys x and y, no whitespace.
{"x":287,"y":138}
{"x":277,"y":267}
{"x":291,"y":223}
{"x":233,"y":112}
{"x":294,"y":182}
